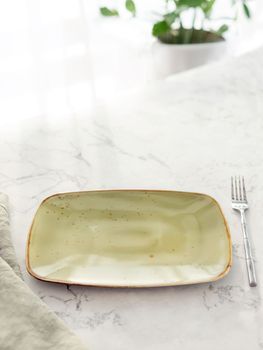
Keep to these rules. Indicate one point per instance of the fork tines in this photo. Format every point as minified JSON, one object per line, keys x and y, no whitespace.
{"x":238,"y":190}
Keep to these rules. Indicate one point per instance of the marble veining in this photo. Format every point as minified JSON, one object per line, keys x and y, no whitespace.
{"x":189,"y":133}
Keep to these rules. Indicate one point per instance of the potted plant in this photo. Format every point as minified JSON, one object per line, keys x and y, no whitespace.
{"x":186,"y":33}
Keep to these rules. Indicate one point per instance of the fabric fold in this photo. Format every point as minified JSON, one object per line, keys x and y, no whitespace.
{"x":26,"y":323}
{"x":7,"y":251}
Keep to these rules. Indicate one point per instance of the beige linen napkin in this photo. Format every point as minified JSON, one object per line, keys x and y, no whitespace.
{"x":26,"y":323}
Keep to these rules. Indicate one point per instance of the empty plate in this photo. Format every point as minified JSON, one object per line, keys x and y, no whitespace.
{"x":129,"y":238}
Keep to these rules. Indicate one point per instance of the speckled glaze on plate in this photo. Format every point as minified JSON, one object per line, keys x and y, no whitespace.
{"x":129,"y":238}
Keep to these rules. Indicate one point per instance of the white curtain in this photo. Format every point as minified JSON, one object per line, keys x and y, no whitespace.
{"x":45,"y":60}
{"x":60,"y":57}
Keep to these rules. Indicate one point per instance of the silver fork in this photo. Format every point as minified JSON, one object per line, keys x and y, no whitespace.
{"x":239,"y":203}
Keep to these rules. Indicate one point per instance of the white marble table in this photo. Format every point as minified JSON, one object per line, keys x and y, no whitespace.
{"x":189,"y":133}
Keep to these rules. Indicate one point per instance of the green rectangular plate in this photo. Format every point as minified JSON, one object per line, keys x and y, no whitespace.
{"x":129,"y":238}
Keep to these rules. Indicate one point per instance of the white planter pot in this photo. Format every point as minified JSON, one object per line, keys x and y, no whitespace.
{"x":173,"y":58}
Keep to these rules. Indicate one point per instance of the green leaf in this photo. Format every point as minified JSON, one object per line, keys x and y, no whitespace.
{"x":207,"y":6}
{"x":130,"y":6}
{"x":160,"y":28}
{"x":222,"y":29}
{"x":191,"y":3}
{"x":170,"y":17}
{"x":105,"y":11}
{"x":246,"y":10}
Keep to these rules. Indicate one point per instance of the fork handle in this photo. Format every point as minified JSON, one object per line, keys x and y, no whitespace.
{"x":251,"y":269}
